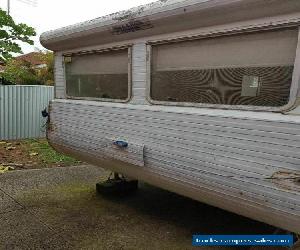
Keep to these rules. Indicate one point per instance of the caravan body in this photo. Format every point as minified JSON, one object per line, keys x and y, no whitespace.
{"x":203,"y":96}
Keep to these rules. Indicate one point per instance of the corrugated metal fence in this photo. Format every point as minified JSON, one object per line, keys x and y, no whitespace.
{"x":20,"y":111}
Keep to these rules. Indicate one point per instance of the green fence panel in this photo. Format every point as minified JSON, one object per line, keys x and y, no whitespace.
{"x":20,"y":111}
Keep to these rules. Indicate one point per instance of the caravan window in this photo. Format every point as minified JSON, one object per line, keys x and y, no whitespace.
{"x":102,"y":75}
{"x":246,"y":69}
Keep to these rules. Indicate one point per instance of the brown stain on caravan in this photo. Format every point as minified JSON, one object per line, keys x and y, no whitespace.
{"x":287,"y":180}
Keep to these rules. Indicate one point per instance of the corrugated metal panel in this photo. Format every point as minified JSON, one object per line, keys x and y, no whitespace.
{"x":20,"y":111}
{"x":232,"y":156}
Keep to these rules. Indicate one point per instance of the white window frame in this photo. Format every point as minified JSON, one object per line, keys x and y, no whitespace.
{"x":255,"y":27}
{"x":129,"y":95}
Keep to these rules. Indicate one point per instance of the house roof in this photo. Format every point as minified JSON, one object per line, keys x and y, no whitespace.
{"x":34,"y":58}
{"x":156,"y":18}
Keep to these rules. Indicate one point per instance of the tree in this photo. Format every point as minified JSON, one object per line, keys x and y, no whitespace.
{"x":46,"y":74}
{"x":20,"y":72}
{"x":12,"y":33}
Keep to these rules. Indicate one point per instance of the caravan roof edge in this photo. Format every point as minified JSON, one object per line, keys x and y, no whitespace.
{"x":155,"y":18}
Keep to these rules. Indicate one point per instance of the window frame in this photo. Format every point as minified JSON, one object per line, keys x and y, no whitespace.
{"x":254,"y":28}
{"x":99,"y":51}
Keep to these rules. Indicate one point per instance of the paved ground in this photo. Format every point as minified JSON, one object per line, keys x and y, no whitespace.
{"x":59,"y":209}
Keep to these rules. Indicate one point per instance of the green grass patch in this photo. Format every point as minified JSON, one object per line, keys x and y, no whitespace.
{"x":40,"y":149}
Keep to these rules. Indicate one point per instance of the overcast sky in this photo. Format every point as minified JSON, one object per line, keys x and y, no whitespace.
{"x":52,"y":14}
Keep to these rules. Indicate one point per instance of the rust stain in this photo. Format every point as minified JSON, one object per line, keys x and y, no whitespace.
{"x":287,"y":180}
{"x":51,"y":127}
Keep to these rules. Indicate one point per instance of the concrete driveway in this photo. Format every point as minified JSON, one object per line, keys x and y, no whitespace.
{"x":59,"y":209}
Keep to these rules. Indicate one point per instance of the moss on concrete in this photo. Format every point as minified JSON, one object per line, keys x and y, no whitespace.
{"x":150,"y":219}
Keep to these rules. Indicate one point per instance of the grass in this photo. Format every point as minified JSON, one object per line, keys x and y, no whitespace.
{"x":32,"y":154}
{"x":46,"y":153}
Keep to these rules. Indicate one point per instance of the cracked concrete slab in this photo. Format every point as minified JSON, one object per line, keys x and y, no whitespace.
{"x":16,"y":182}
{"x":60,"y":209}
{"x":22,"y":230}
{"x":7,"y":204}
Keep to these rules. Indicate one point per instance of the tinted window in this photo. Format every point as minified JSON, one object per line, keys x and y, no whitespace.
{"x":98,"y":75}
{"x":248,"y":69}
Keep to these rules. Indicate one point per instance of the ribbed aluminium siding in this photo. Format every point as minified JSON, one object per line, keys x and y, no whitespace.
{"x":20,"y":111}
{"x":230,"y":155}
